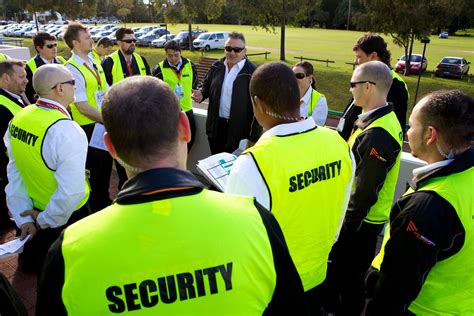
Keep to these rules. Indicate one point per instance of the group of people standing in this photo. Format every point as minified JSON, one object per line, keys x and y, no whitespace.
{"x":296,"y":231}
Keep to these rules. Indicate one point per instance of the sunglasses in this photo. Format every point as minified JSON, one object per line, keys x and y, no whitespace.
{"x":300,"y":75}
{"x":235,"y":49}
{"x":51,"y":45}
{"x":354,"y":84}
{"x":71,"y":82}
{"x":130,"y":41}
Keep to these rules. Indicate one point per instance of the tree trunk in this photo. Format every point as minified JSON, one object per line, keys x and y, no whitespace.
{"x":408,"y":59}
{"x":190,"y":37}
{"x":283,"y":29}
{"x":36,"y":20}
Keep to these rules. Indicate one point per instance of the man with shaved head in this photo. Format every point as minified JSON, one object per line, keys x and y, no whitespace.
{"x":47,"y":188}
{"x":376,"y":143}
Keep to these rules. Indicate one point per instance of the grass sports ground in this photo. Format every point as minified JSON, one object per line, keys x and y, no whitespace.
{"x":334,"y":45}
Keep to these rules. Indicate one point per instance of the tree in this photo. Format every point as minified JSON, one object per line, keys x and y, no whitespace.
{"x":123,"y":8}
{"x":270,"y":13}
{"x":405,"y":20}
{"x":188,"y":10}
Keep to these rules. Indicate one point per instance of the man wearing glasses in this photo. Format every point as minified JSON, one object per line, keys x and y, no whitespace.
{"x":121,"y":64}
{"x":47,"y":188}
{"x":376,"y":143}
{"x":230,"y":114}
{"x":46,"y":49}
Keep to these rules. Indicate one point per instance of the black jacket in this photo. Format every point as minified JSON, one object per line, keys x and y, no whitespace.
{"x":108,"y":64}
{"x":242,"y":123}
{"x":397,"y":95}
{"x":408,"y":259}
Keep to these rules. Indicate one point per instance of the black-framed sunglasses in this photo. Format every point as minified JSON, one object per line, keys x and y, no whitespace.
{"x":71,"y":82}
{"x":235,"y":49}
{"x":300,"y":75}
{"x":130,"y":41}
{"x":354,"y":84}
{"x":51,"y":45}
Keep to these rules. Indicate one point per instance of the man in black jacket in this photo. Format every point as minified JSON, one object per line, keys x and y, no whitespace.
{"x":373,"y":47}
{"x":230,"y":114}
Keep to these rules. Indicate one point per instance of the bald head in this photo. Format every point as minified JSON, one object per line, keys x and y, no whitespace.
{"x":47,"y":76}
{"x":377,"y":72}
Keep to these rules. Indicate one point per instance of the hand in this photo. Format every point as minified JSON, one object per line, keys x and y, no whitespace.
{"x":197,"y":96}
{"x":28,"y":229}
{"x":31,"y":213}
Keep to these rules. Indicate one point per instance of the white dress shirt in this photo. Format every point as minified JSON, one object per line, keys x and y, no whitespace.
{"x":320,"y":112}
{"x":80,"y":94}
{"x":246,"y":179}
{"x":64,"y":150}
{"x":227,"y":86}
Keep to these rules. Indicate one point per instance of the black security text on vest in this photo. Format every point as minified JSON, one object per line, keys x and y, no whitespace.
{"x":22,"y":135}
{"x":167,"y":289}
{"x":320,"y":173}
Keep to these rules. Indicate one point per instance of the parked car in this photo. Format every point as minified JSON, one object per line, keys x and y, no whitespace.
{"x":210,"y":40}
{"x":452,"y":66}
{"x":443,"y":35}
{"x":145,"y":40}
{"x":416,"y":66}
{"x":182,"y":37}
{"x":160,"y":42}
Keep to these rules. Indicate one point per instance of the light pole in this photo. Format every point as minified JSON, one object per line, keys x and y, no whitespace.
{"x":424,"y":40}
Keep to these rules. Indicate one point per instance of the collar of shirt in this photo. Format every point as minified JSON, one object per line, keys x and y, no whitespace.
{"x":178,"y":66}
{"x":81,"y":61}
{"x":419,"y":172}
{"x":239,"y":65}
{"x":365,"y":115}
{"x":45,"y":61}
{"x":57,"y":104}
{"x":290,"y":128}
{"x":13,"y":95}
{"x":307,"y":95}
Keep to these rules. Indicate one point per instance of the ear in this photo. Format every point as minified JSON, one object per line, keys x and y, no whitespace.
{"x":374,"y":56}
{"x":431,"y":135}
{"x":259,"y":105}
{"x":110,"y":147}
{"x":184,"y":130}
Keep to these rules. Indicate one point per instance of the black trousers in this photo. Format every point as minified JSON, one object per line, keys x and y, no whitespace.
{"x":192,"y":125}
{"x":99,"y":164}
{"x":349,"y":260}
{"x":35,"y":250}
{"x":219,"y":143}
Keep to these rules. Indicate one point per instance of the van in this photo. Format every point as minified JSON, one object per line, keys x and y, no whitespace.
{"x":211,"y":40}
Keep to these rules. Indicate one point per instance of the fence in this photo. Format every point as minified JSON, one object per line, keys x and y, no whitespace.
{"x":327,"y":61}
{"x":11,"y":41}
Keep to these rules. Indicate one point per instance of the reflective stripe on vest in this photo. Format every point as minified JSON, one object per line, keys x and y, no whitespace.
{"x":92,"y":86}
{"x":397,"y":76}
{"x":185,"y":79}
{"x":11,"y":106}
{"x":198,"y":254}
{"x":33,"y":67}
{"x":379,"y":212}
{"x":315,"y":95}
{"x":307,"y":195}
{"x":448,"y":288}
{"x":27,"y":131}
{"x":118,"y":72}
{"x":3,"y":57}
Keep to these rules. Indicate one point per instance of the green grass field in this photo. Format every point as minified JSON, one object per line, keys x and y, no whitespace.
{"x":335,"y":45}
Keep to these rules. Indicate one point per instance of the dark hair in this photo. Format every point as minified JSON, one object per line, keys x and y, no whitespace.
{"x":372,"y":42}
{"x":172,"y":45}
{"x":72,"y":33}
{"x":105,"y":42}
{"x":150,"y":116}
{"x":275,"y":84}
{"x":309,"y":71}
{"x":452,"y":113}
{"x":41,"y":37}
{"x":237,"y":35}
{"x":6,"y":66}
{"x":121,"y":33}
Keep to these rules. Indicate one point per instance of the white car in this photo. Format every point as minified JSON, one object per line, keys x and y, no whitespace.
{"x":211,"y":40}
{"x":160,"y":42}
